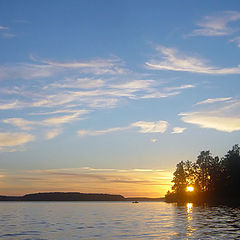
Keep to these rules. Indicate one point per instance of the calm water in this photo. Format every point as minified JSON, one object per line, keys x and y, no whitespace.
{"x":116,"y":220}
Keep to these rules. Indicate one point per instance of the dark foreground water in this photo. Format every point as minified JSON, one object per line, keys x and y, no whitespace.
{"x":116,"y":220}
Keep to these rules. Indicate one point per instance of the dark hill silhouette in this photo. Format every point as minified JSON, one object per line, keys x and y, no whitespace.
{"x":63,"y":196}
{"x":73,"y":196}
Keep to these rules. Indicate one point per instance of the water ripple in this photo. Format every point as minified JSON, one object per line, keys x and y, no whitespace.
{"x":116,"y":220}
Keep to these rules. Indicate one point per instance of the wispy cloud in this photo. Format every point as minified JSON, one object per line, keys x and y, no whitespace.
{"x":5,"y":32}
{"x":217,"y":25}
{"x":144,"y":127}
{"x":52,"y":121}
{"x":213,"y":100}
{"x":166,"y":92}
{"x":135,"y":84}
{"x":236,"y":40}
{"x":151,"y":127}
{"x":178,"y":130}
{"x":62,"y":119}
{"x":59,"y":112}
{"x":100,"y":132}
{"x":209,"y":120}
{"x":186,"y":86}
{"x":158,"y":94}
{"x":21,"y":123}
{"x":7,"y":35}
{"x":53,"y":133}
{"x":83,"y":83}
{"x":105,"y":95}
{"x":3,"y":28}
{"x":172,"y":60}
{"x":225,"y":117}
{"x":27,"y":71}
{"x":13,"y":139}
{"x":88,"y":90}
{"x":97,"y":66}
{"x":47,"y":95}
{"x":10,"y":105}
{"x":47,"y":68}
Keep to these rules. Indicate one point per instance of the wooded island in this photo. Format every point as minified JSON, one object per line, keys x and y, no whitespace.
{"x":209,"y":179}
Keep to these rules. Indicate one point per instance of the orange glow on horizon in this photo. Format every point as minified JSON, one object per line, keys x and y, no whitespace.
{"x":126,"y":182}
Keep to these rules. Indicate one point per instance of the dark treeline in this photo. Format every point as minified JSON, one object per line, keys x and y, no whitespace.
{"x":63,"y":196}
{"x":74,"y":196}
{"x":213,"y":179}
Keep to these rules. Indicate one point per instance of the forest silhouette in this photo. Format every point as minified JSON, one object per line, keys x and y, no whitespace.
{"x":209,"y":178}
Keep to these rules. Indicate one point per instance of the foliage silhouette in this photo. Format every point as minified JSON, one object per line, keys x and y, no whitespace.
{"x":213,"y":179}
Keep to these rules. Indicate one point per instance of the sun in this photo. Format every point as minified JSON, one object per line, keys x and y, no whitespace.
{"x":190,"y":189}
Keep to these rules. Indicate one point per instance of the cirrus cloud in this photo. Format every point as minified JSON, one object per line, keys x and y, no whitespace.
{"x":236,"y":40}
{"x":178,"y":130}
{"x":214,"y":100}
{"x":13,"y":139}
{"x":172,"y":60}
{"x":143,"y":126}
{"x":217,"y":25}
{"x":224,"y":117}
{"x":151,"y":127}
{"x":52,"y":133}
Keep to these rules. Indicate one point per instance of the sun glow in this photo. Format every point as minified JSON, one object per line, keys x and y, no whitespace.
{"x":190,"y":189}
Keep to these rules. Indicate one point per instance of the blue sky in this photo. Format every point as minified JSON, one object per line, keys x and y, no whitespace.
{"x":107,"y":96}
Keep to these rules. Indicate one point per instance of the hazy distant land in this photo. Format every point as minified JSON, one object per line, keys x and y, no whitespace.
{"x":74,"y":196}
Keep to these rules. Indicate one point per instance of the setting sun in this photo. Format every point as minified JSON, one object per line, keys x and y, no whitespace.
{"x":190,"y":189}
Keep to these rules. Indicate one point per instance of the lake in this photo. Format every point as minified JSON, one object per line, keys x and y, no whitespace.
{"x":116,"y":220}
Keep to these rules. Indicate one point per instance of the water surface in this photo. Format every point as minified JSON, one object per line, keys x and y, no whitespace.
{"x":116,"y":220}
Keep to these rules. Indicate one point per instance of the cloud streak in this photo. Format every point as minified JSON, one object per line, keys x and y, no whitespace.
{"x":151,"y":127}
{"x":47,"y":95}
{"x":11,"y":105}
{"x":172,"y":60}
{"x":14,"y":139}
{"x":100,"y":132}
{"x":225,"y":117}
{"x":213,"y":100}
{"x":97,"y":66}
{"x":143,"y":126}
{"x":62,"y":119}
{"x":5,"y":32}
{"x":178,"y":130}
{"x":236,"y":40}
{"x":186,"y":86}
{"x":217,"y":25}
{"x":47,"y":68}
{"x":52,"y":121}
{"x":207,"y":120}
{"x":3,"y":28}
{"x":53,"y":133}
{"x":21,"y":123}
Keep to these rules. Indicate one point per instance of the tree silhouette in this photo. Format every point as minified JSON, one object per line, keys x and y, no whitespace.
{"x":204,"y":162}
{"x":179,"y":179}
{"x":231,"y":166}
{"x":211,"y":177}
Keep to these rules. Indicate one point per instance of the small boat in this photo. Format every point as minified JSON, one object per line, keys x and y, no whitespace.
{"x":135,"y":202}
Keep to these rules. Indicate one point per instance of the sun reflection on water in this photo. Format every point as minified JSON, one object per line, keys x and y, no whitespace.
{"x":189,"y":207}
{"x":190,"y":229}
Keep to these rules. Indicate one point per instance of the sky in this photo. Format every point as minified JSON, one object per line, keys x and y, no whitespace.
{"x":108,"y":96}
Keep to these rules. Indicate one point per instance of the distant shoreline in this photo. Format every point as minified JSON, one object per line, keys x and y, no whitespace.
{"x":74,"y":196}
